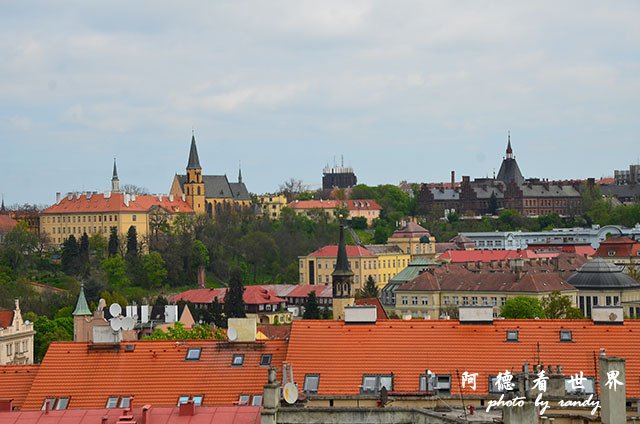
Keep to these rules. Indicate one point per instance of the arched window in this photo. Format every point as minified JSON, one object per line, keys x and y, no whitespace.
{"x":198,"y":190}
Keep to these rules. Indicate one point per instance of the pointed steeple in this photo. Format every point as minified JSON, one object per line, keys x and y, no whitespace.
{"x":194,"y":161}
{"x":239,"y":173}
{"x":115,"y":181}
{"x":342,"y":262}
{"x":2,"y":208}
{"x":509,"y":151}
{"x":81,"y":306}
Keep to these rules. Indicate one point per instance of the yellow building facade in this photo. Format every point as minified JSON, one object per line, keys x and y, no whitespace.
{"x":415,"y":240}
{"x":369,"y":261}
{"x":272,"y":205}
{"x":208,"y":193}
{"x":16,"y":338}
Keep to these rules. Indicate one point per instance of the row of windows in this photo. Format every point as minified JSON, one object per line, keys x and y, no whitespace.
{"x":80,"y":230}
{"x":455,"y":300}
{"x":366,"y":264}
{"x":17,"y":347}
{"x":193,"y":354}
{"x":85,"y":218}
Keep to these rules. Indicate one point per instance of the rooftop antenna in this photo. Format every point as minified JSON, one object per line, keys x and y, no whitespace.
{"x":342,"y":161}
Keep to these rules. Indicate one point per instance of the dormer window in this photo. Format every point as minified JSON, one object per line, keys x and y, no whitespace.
{"x":373,"y":383}
{"x":311,"y":383}
{"x":238,"y":360}
{"x":265,"y":360}
{"x":193,"y":354}
{"x":512,"y":335}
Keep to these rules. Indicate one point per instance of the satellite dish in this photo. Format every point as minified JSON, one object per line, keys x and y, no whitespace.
{"x":115,"y":309}
{"x":115,"y":324}
{"x":128,"y":323}
{"x":290,"y":393}
{"x":232,"y":333}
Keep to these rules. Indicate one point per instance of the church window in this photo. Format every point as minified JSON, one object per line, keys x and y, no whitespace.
{"x":134,"y":218}
{"x":198,"y":190}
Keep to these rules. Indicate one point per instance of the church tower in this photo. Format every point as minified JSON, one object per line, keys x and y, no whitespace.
{"x":115,"y":181}
{"x":342,"y":278}
{"x":509,"y":169}
{"x":82,"y":329}
{"x":194,"y":187}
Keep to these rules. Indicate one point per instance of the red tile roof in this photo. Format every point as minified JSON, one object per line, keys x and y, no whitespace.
{"x":411,"y":230}
{"x":362,"y":205}
{"x":374,"y":301}
{"x":115,"y":203}
{"x":253,"y":295}
{"x":46,"y":287}
{"x":159,"y":415}
{"x":457,"y":256}
{"x":303,"y":290}
{"x":155,"y":372}
{"x":341,"y":353}
{"x":332,"y":251}
{"x":15,"y":382}
{"x":7,"y":223}
{"x":313,"y":204}
{"x":621,"y":247}
{"x":275,"y":332}
{"x":6,"y":318}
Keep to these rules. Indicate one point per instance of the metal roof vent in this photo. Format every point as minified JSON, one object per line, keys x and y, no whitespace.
{"x":362,"y":314}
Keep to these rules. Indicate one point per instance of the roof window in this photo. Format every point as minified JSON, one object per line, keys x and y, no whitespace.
{"x":512,"y":335}
{"x":439,"y":384}
{"x":197,"y":399}
{"x":118,"y":402}
{"x":238,"y":360}
{"x":373,"y":383}
{"x":265,"y":360}
{"x":311,"y":383}
{"x":193,"y":354}
{"x":56,"y":403}
{"x":566,"y":336}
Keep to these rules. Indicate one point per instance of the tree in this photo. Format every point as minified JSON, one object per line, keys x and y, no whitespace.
{"x":493,"y":203}
{"x":132,"y":244}
{"x":233,"y":300}
{"x":22,"y":239}
{"x":291,"y":188}
{"x":98,"y":244}
{"x":522,"y":307}
{"x":114,"y":268}
{"x":84,"y":248}
{"x":134,"y":189}
{"x":114,"y":244}
{"x":178,"y":332}
{"x":154,"y":270}
{"x":381,"y":234}
{"x":311,"y":309}
{"x":199,"y":254}
{"x":70,"y":256}
{"x":259,"y":249}
{"x":557,"y":306}
{"x":369,"y":290}
{"x":359,"y":223}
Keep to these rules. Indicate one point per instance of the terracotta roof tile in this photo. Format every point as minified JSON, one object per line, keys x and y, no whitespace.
{"x":6,"y":318}
{"x":115,"y":203}
{"x":253,"y":295}
{"x":374,"y":301}
{"x":411,"y":230}
{"x":332,"y":251}
{"x":15,"y":382}
{"x":313,"y":204}
{"x":7,"y":223}
{"x":341,"y":353}
{"x":160,"y":415}
{"x":155,"y":372}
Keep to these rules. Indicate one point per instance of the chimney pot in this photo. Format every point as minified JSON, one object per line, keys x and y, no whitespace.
{"x":146,"y":414}
{"x":187,"y":409}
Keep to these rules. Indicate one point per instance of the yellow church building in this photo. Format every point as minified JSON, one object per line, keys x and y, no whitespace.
{"x":208,"y":193}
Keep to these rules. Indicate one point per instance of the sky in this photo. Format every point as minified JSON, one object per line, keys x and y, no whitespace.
{"x":404,"y":90}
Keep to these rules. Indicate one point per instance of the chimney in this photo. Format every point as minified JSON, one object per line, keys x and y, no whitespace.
{"x":365,"y":314}
{"x":58,"y":197}
{"x":465,"y":179}
{"x":271,"y":399}
{"x":188,"y":409}
{"x":453,"y":178}
{"x":607,"y":315}
{"x":146,"y":414}
{"x":613,"y":397}
{"x":184,"y":197}
{"x":127,"y":198}
{"x":6,"y":405}
{"x":171,"y":197}
{"x":202,"y":278}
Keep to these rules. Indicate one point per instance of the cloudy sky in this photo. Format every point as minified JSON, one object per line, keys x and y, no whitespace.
{"x":405,"y":90}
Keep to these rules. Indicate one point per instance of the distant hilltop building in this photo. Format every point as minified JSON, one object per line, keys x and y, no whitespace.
{"x":338,"y":177}
{"x":509,"y":190}
{"x":208,"y":193}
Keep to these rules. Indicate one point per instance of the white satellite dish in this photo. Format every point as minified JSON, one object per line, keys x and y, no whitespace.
{"x":232,"y":333}
{"x":116,"y":324}
{"x":290,"y":393}
{"x":128,"y":323}
{"x":115,"y":309}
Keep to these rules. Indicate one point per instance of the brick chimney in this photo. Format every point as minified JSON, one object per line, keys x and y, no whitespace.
{"x":453,"y":178}
{"x":188,"y":409}
{"x":6,"y":405}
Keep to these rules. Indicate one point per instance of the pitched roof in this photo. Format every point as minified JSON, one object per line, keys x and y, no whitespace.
{"x":160,"y":415}
{"x":219,"y":187}
{"x":601,"y":274}
{"x":457,"y":256}
{"x":374,"y":301}
{"x":382,"y":249}
{"x":7,"y":223}
{"x":313,"y":204}
{"x":15,"y":382}
{"x":194,"y":161}
{"x":275,"y":332}
{"x":411,"y":230}
{"x":91,"y":203}
{"x":6,"y":318}
{"x":361,"y":204}
{"x":81,"y":306}
{"x":155,"y":372}
{"x":303,"y":290}
{"x":341,"y":353}
{"x":620,"y":246}
{"x":332,"y":251}
{"x":253,"y":295}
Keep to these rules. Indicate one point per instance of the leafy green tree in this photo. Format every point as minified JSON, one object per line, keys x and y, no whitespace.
{"x":114,"y":243}
{"x":47,"y":331}
{"x":381,"y":234}
{"x":233,"y":300}
{"x":98,"y":244}
{"x":70,"y":256}
{"x":369,"y":290}
{"x":311,"y":309}
{"x":259,"y":249}
{"x":22,"y":239}
{"x":178,"y":332}
{"x":359,"y":223}
{"x":114,"y":268}
{"x":114,"y":297}
{"x":557,"y":306}
{"x":154,"y":270}
{"x":522,"y":307}
{"x":199,"y":254}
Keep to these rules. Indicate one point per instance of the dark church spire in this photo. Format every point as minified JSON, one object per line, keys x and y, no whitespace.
{"x":342,"y":262}
{"x":115,"y":170}
{"x":509,"y":151}
{"x":239,"y":172}
{"x":194,"y":162}
{"x":115,"y":182}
